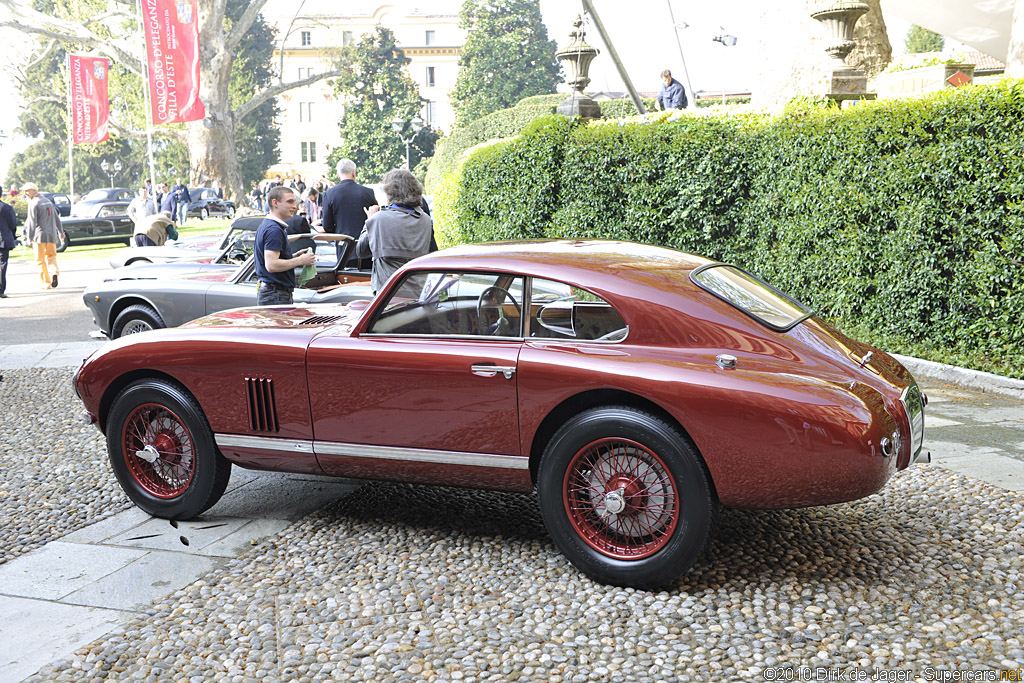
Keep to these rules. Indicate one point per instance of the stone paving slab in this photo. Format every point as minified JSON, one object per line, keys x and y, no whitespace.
{"x":60,"y":568}
{"x":34,"y":632}
{"x":138,"y":584}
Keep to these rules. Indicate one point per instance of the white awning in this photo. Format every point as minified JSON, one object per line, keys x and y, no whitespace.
{"x":982,"y":24}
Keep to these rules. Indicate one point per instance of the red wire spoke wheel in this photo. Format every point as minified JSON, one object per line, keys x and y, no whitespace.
{"x":620,"y":499}
{"x":159,"y":450}
{"x":162,"y":450}
{"x":626,"y":496}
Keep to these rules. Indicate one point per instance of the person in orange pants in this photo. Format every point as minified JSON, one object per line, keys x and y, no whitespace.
{"x":44,"y":231}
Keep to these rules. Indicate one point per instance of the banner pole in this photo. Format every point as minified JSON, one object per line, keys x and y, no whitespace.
{"x":71,"y":132}
{"x":149,"y":111}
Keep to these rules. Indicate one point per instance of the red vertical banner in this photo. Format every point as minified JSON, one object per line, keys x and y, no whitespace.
{"x":172,"y":48}
{"x":90,"y":105}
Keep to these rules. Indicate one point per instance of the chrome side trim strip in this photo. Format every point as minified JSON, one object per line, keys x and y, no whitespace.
{"x":355,"y":450}
{"x":263,"y":443}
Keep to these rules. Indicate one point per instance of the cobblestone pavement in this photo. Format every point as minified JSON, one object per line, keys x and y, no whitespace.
{"x":409,"y":583}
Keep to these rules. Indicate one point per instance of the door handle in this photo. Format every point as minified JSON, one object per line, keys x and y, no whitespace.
{"x":490,"y":370}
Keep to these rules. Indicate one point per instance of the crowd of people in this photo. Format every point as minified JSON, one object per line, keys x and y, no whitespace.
{"x":389,"y":235}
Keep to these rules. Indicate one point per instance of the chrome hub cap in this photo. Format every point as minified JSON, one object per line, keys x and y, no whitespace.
{"x":149,"y":453}
{"x":615,"y":501}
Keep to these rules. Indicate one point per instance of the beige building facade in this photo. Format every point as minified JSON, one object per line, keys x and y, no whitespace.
{"x":428,"y":32}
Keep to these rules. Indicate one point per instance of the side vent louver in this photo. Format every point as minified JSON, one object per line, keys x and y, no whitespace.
{"x":321,"y":320}
{"x":262,"y":407}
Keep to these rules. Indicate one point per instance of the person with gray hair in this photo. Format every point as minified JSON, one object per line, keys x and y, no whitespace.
{"x":397,"y":233}
{"x":345,"y":204}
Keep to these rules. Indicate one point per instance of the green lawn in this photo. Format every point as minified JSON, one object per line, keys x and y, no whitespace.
{"x":193,"y":228}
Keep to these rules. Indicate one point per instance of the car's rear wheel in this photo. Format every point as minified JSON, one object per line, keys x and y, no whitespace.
{"x":625,"y":497}
{"x":134,"y":319}
{"x":231,"y":212}
{"x":204,"y":213}
{"x":63,"y":242}
{"x":162,"y":451}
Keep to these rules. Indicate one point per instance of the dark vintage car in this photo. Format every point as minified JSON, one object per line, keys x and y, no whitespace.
{"x":87,"y":206}
{"x":109,"y":222}
{"x":204,"y":203}
{"x":144,"y":297}
{"x":61,"y":201}
{"x":661,"y":387}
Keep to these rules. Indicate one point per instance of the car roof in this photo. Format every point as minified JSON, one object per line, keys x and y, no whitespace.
{"x":595,"y":262}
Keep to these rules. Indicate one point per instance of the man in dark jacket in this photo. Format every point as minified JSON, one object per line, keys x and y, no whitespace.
{"x":345,"y":203}
{"x":672,"y":95}
{"x":8,"y":232}
{"x":182,"y":199}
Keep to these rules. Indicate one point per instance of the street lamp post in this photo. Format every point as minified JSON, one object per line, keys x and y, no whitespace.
{"x":107,"y":168}
{"x":398,"y":125}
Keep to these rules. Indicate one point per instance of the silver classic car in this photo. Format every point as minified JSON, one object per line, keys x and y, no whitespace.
{"x":143,"y":297}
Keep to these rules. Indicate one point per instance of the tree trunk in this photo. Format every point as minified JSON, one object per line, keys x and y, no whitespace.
{"x":873,"y":52}
{"x":212,"y":155}
{"x":211,"y":142}
{"x":793,"y":46}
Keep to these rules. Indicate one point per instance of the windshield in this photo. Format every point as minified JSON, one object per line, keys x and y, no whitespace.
{"x":759,"y":300}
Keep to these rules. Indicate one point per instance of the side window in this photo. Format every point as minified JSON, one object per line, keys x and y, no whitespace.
{"x":453,"y":305}
{"x":560,"y":311}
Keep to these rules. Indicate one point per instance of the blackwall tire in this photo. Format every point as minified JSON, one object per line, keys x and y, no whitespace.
{"x":162,"y":450}
{"x":626,"y":497}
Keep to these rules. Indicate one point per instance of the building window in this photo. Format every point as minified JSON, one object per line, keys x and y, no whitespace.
{"x":429,"y":113}
{"x":429,"y":82}
{"x":346,"y":37}
{"x":305,"y":72}
{"x":308,"y":152}
{"x":305,"y":112}
{"x":307,"y":39}
{"x":430,"y":38}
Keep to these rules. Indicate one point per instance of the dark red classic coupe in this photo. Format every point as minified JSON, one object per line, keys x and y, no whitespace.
{"x":636,"y":388}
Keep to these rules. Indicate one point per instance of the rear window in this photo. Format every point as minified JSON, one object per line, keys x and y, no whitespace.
{"x":756,"y":298}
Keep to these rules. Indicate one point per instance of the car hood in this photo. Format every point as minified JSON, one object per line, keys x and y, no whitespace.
{"x":208,"y":272}
{"x":310,"y":318}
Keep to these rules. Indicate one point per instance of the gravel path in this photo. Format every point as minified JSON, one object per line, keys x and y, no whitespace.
{"x":54,"y":476}
{"x":406,"y":583}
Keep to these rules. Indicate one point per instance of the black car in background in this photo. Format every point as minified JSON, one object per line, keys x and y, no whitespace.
{"x":204,"y":203}
{"x":61,"y":201}
{"x":109,"y":222}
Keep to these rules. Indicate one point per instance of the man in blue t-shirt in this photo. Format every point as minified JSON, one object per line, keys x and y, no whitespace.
{"x":275,"y":263}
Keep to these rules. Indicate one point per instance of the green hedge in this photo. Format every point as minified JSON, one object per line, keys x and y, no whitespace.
{"x":503,"y":124}
{"x":901,"y":222}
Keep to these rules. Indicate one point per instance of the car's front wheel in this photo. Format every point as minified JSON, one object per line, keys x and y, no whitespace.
{"x":204,"y":213}
{"x":162,"y":450}
{"x":230,"y":212}
{"x":625,"y":497}
{"x":134,"y":319}
{"x":63,"y":242}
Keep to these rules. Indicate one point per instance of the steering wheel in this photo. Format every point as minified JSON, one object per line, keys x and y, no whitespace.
{"x":502,"y":327}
